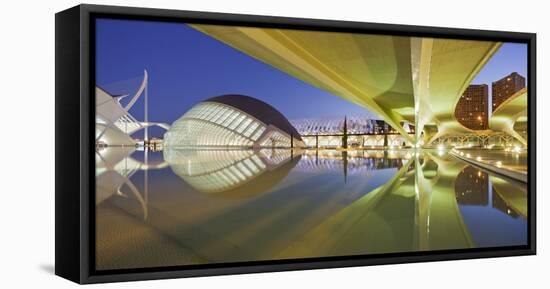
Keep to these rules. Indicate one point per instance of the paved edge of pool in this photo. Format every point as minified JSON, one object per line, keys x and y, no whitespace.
{"x":516,"y":175}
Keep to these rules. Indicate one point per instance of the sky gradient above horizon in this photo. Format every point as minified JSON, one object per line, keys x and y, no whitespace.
{"x":186,"y":66}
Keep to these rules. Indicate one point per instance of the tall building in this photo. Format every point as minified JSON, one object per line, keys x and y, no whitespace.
{"x":472,"y":107}
{"x":506,"y":87}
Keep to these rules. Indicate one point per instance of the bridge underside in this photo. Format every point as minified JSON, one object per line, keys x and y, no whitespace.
{"x":507,"y":126}
{"x":511,"y":112}
{"x":403,"y":79}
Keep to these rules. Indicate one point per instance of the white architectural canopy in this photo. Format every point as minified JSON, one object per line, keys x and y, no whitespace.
{"x":114,"y":123}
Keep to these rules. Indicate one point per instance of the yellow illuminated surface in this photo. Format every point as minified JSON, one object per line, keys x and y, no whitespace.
{"x":205,"y":199}
{"x":185,"y":207}
{"x":418,"y":80}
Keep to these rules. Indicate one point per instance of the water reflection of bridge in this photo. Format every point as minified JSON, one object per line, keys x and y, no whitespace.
{"x":404,"y":80}
{"x":288,"y":213}
{"x":424,"y":196}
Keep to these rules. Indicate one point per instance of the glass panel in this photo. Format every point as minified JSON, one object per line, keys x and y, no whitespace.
{"x":244,"y":125}
{"x":237,"y":122}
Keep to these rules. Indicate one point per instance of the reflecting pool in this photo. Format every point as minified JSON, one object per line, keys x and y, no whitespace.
{"x":181,"y":207}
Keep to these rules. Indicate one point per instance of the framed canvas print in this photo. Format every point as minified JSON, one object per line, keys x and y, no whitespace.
{"x":193,"y":144}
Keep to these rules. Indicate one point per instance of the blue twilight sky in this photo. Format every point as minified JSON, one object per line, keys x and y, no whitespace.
{"x":186,"y":66}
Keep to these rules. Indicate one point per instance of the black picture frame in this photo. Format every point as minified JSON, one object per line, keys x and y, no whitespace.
{"x":74,"y":153}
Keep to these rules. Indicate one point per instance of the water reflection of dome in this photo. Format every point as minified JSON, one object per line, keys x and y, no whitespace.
{"x":232,"y":121}
{"x":231,"y":173}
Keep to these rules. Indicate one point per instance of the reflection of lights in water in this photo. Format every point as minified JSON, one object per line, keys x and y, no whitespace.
{"x":333,"y":197}
{"x":355,"y":165}
{"x":471,"y":187}
{"x":216,"y":171}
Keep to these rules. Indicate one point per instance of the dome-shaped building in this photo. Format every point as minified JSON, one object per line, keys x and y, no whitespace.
{"x":232,"y":121}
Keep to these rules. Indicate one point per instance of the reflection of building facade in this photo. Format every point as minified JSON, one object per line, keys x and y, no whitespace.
{"x":506,"y":87}
{"x":115,"y":168}
{"x":472,"y":187}
{"x":472,"y":107}
{"x":360,"y":131}
{"x":353,"y":165}
{"x":232,"y":121}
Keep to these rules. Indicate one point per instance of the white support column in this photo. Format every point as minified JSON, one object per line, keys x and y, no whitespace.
{"x":421,"y":53}
{"x":146,"y":110}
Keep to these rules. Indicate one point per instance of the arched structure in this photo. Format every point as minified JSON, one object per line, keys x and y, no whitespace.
{"x":402,"y":79}
{"x":508,"y":113}
{"x":232,"y":121}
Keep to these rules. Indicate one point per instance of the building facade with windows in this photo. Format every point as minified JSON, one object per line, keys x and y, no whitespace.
{"x":228,"y":121}
{"x":360,"y":131}
{"x":506,"y":87}
{"x":472,"y":107}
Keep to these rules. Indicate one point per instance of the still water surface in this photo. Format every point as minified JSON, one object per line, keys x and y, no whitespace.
{"x":181,"y":207}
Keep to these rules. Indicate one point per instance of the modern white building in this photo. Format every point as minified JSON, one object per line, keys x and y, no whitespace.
{"x":232,"y":121}
{"x":361,"y":131}
{"x":114,"y":123}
